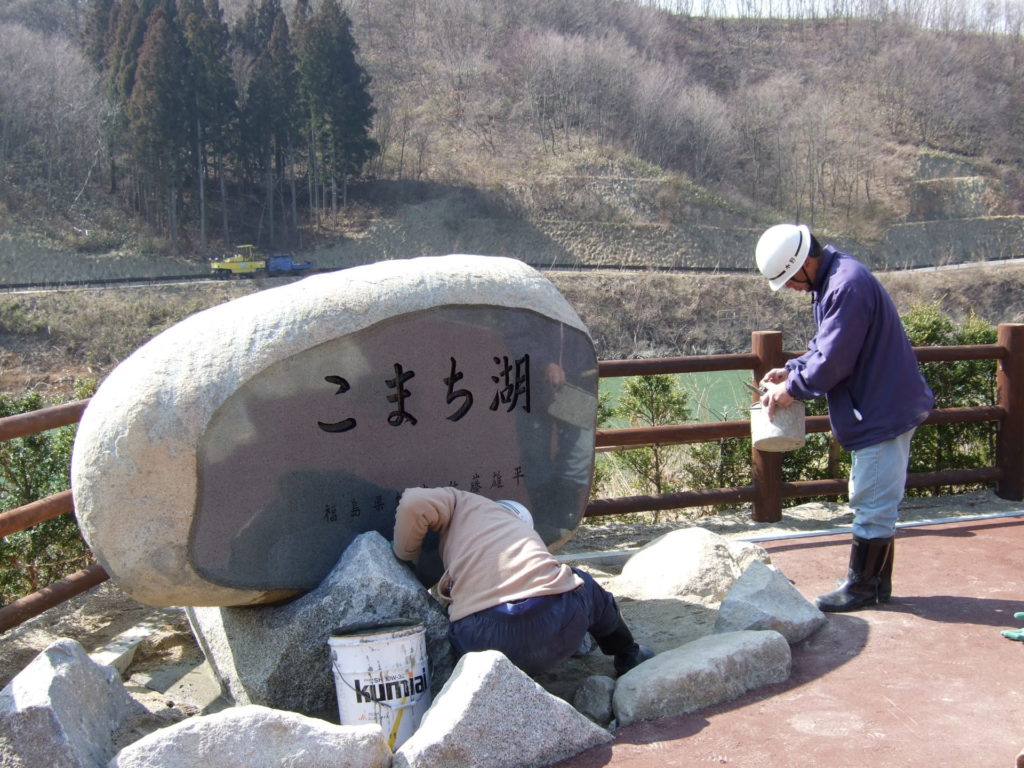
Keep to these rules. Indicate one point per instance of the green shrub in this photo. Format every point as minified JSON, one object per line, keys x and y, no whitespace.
{"x":955,"y":384}
{"x":95,"y":241}
{"x":646,"y":401}
{"x":33,"y":468}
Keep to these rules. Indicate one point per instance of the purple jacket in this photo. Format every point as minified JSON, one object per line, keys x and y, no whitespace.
{"x":860,"y":357}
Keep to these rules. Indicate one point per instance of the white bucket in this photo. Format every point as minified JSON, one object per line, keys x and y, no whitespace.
{"x":783,"y":433}
{"x":380,"y":676}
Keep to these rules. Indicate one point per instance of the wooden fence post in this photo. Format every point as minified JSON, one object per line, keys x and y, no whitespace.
{"x":767,"y":467}
{"x":1010,"y":389}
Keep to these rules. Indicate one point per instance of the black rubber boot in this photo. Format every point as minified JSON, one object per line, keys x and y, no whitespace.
{"x":885,"y":577}
{"x":620,"y":644}
{"x":867,"y":561}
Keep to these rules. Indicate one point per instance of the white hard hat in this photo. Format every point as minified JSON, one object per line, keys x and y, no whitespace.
{"x":781,"y":251}
{"x":518,"y":510}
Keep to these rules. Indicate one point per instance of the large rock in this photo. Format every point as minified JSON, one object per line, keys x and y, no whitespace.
{"x":763,"y":598}
{"x":256,"y":737}
{"x":278,"y":656}
{"x":593,"y":698}
{"x":492,"y":715}
{"x":64,"y":710}
{"x":232,"y":458}
{"x":689,"y":564}
{"x":707,"y":671}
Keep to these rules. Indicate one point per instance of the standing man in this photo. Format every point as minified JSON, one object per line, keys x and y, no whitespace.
{"x":503,"y":590}
{"x":861,"y":360}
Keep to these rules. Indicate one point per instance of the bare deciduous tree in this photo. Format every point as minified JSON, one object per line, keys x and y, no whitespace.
{"x":51,"y":114}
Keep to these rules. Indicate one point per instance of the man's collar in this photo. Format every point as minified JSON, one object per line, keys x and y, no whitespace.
{"x":825,"y":264}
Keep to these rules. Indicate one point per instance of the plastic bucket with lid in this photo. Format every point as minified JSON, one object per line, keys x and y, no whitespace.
{"x":783,"y":433}
{"x":380,"y":676}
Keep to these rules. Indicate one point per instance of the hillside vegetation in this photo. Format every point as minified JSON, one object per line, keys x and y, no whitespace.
{"x":862,"y":120}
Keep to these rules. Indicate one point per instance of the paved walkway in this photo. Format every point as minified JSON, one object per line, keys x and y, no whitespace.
{"x":925,"y":681}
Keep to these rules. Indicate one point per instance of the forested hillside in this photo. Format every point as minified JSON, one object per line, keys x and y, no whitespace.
{"x":163,"y":126}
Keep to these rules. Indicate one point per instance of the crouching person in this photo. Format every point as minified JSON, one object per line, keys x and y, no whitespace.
{"x":502,"y":588}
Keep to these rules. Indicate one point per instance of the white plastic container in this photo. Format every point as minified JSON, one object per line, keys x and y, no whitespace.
{"x":786,"y":432}
{"x":381,"y":676}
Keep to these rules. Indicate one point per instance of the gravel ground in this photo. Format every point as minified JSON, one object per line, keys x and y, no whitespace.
{"x":797,"y":520}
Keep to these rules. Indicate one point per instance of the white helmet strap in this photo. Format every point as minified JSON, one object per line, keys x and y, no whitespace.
{"x":789,"y":263}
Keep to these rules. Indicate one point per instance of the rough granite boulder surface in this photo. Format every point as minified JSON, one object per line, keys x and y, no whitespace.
{"x":763,"y":598}
{"x":64,"y":710}
{"x":257,"y":737}
{"x":690,"y":564}
{"x":593,"y":698}
{"x":279,"y":657}
{"x":490,"y":713}
{"x":707,"y":671}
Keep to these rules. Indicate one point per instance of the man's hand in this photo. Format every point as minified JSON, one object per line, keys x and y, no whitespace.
{"x":776,"y":397}
{"x":775,"y":376}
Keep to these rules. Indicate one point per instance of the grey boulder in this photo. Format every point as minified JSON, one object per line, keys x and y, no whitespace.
{"x":257,"y":737}
{"x":490,"y":714}
{"x":763,"y":598}
{"x":689,"y":564}
{"x":279,"y":656}
{"x":707,"y":671}
{"x":64,"y":710}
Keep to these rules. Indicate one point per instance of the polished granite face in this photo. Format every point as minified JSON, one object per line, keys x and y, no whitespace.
{"x":317,"y":448}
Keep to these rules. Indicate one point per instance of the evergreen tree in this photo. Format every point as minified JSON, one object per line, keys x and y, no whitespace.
{"x":97,"y":34}
{"x":158,"y":112}
{"x":335,"y":88}
{"x":212,"y":94}
{"x":652,"y":401}
{"x":723,"y":463}
{"x":253,"y":30}
{"x":129,"y":36}
{"x":128,"y":23}
{"x":270,"y":110}
{"x":301,"y":14}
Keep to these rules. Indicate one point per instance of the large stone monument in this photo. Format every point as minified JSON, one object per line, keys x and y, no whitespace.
{"x":232,"y":458}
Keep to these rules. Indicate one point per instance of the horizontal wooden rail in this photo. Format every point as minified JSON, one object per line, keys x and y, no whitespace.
{"x":956,"y":354}
{"x":801,"y":489}
{"x":657,"y":365}
{"x":624,"y":505}
{"x":20,"y":518}
{"x":966,"y":415}
{"x":673,"y":434}
{"x":749,"y":361}
{"x":23,"y":609}
{"x":954,"y":477}
{"x":33,"y":422}
{"x":678,"y":434}
{"x":837,"y":487}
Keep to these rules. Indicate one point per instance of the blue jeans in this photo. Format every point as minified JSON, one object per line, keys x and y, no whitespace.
{"x":539,"y":633}
{"x":877,"y":481}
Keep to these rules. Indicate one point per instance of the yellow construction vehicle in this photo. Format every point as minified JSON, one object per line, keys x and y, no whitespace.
{"x":243,"y":262}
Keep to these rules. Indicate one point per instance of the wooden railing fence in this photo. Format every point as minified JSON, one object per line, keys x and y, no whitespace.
{"x":765,"y":494}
